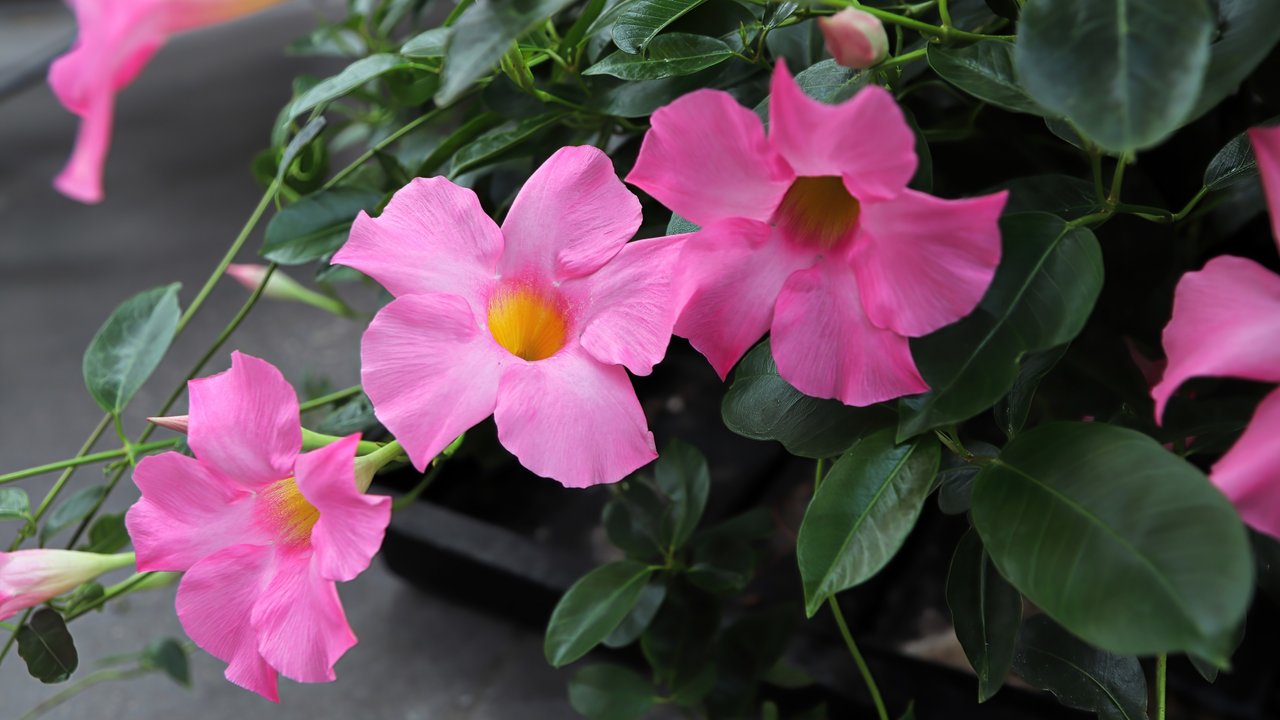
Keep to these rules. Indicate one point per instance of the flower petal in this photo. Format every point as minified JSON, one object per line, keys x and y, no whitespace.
{"x":302,"y":630}
{"x":827,"y":347}
{"x":629,"y":305}
{"x":351,"y":524}
{"x":215,"y":600}
{"x":244,"y":423}
{"x":1266,"y":148}
{"x":433,"y":236}
{"x":1248,"y":472}
{"x":1226,"y":321}
{"x":865,"y":139}
{"x":732,"y":272}
{"x":572,"y":215}
{"x":183,"y":15}
{"x":706,"y":157}
{"x":573,"y":419}
{"x":430,"y":371}
{"x":187,"y":512}
{"x":923,"y":262}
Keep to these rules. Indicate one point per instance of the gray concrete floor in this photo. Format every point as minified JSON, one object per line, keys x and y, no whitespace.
{"x":178,"y":189}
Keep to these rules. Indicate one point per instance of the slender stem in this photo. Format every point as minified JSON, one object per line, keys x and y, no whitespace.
{"x":818,"y":474}
{"x":857,"y":659}
{"x":124,"y":587}
{"x":1117,"y":179}
{"x":95,"y":678}
{"x":331,"y":398}
{"x":458,"y":10}
{"x":408,"y":498}
{"x":86,"y":460}
{"x":1162,"y":667}
{"x":381,"y":145}
{"x":945,"y":13}
{"x":14,"y":635}
{"x":924,"y":28}
{"x":902,"y":59}
{"x":53,"y":493}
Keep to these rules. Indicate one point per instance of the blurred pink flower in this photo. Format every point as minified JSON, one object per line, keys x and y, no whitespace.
{"x":812,"y":234}
{"x":856,"y":39}
{"x":263,"y":532}
{"x":536,"y":322}
{"x":115,"y":40}
{"x":31,"y":577}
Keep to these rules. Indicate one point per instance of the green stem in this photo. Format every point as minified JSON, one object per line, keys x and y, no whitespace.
{"x":457,"y":10}
{"x":945,"y":13}
{"x":50,"y":496}
{"x":380,"y":146}
{"x":924,"y":28}
{"x":408,"y":498}
{"x":86,"y":460}
{"x":368,"y":465}
{"x":857,"y":659}
{"x":901,"y":59}
{"x":1117,"y":179}
{"x":95,"y":678}
{"x":1162,"y":667}
{"x":124,"y":587}
{"x":818,"y":474}
{"x":331,"y":398}
{"x":312,"y":440}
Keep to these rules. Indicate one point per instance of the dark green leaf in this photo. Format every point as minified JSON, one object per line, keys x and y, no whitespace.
{"x":107,"y":534}
{"x":679,"y":226}
{"x":308,"y":133}
{"x":1080,"y":676}
{"x":46,"y":646}
{"x":1126,"y":72}
{"x":681,"y":473}
{"x":985,"y":71}
{"x":1012,"y":411}
{"x":429,"y":44}
{"x":632,"y":519}
{"x":1234,"y":163}
{"x":668,"y":55}
{"x":129,"y":346}
{"x":986,"y":611}
{"x":169,"y":657}
{"x":316,"y":225}
{"x":71,"y":511}
{"x":910,"y":712}
{"x":862,"y":513}
{"x":641,"y":98}
{"x":1247,"y":30}
{"x":637,"y":621}
{"x":592,"y":608}
{"x":494,"y":143}
{"x":480,"y":37}
{"x":353,"y":76}
{"x":610,"y":692}
{"x":1068,"y":515}
{"x":1062,"y":195}
{"x":679,"y":642}
{"x":825,"y":81}
{"x":1208,"y":670}
{"x":644,"y":19}
{"x":14,"y":504}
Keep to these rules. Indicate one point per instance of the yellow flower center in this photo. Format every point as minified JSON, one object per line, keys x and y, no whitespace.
{"x":289,"y":512}
{"x":818,"y":211}
{"x":527,"y":323}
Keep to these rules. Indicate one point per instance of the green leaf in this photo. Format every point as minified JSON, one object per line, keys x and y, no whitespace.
{"x":316,"y":225}
{"x":1012,"y":411}
{"x":107,"y":534}
{"x":494,"y":143}
{"x":1080,"y":676}
{"x":825,"y":81}
{"x":169,"y":657}
{"x":308,"y":133}
{"x":1234,"y":163}
{"x":46,"y":646}
{"x":1062,"y":195}
{"x":644,"y":19}
{"x":1247,"y":30}
{"x":762,"y":406}
{"x":985,"y":71}
{"x":637,"y":621}
{"x":1043,"y":291}
{"x":429,"y":44}
{"x":71,"y":511}
{"x":610,"y":692}
{"x":679,"y":226}
{"x":84,"y":596}
{"x":681,"y":473}
{"x":632,"y":518}
{"x":480,"y":37}
{"x":668,"y":55}
{"x":1068,"y":515}
{"x":129,"y":346}
{"x":862,"y":512}
{"x":986,"y":611}
{"x":641,"y":98}
{"x":592,"y":608}
{"x":14,"y":504}
{"x":678,"y":644}
{"x":1126,"y":72}
{"x":352,"y":77}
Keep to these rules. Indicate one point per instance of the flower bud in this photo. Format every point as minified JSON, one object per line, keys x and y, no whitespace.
{"x":282,"y":287}
{"x":856,"y":39}
{"x":176,"y":423}
{"x":31,"y":577}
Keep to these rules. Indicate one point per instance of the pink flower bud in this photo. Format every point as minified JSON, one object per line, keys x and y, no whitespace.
{"x":282,"y":287}
{"x":856,"y":39}
{"x":176,"y":423}
{"x":31,"y":577}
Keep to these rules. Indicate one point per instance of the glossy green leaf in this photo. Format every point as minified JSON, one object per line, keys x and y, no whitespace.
{"x":637,"y":621}
{"x":825,"y":81}
{"x":986,"y":611}
{"x":169,"y":657}
{"x":316,"y":225}
{"x":682,"y":475}
{"x":640,"y":98}
{"x":45,"y":644}
{"x":14,"y":504}
{"x":632,"y":519}
{"x":428,"y":44}
{"x":862,"y":513}
{"x":1126,"y":72}
{"x":1208,"y":670}
{"x":491,"y":145}
{"x":610,"y":692}
{"x":644,"y":19}
{"x":309,"y":132}
{"x":668,"y":55}
{"x":71,"y":511}
{"x":480,"y":37}
{"x":1081,"y":677}
{"x":592,"y":608}
{"x":1246,"y":32}
{"x":129,"y":346}
{"x":1062,"y":195}
{"x":1069,"y":517}
{"x":352,"y":77}
{"x":1234,"y":163}
{"x":762,"y":406}
{"x":985,"y":71}
{"x":107,"y":534}
{"x":1012,"y":410}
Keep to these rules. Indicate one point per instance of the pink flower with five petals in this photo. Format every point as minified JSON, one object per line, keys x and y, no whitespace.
{"x":810,"y":233}
{"x":262,"y":531}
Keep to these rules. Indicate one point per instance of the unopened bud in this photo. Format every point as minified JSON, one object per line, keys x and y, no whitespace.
{"x":856,"y":39}
{"x":176,"y":423}
{"x":282,"y":287}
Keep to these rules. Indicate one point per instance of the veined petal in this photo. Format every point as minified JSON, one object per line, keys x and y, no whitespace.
{"x":352,"y":524}
{"x":1225,"y":323}
{"x":1248,"y":473}
{"x":298,"y":618}
{"x":1266,"y":148}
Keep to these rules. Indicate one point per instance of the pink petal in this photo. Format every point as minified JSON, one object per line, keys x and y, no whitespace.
{"x":1250,"y":471}
{"x":1266,"y":148}
{"x":572,"y":215}
{"x":1226,"y":321}
{"x":706,"y":157}
{"x":430,"y":371}
{"x":215,"y":600}
{"x":185,"y":15}
{"x":433,"y":236}
{"x":573,"y":419}
{"x":629,"y":305}
{"x":302,"y":630}
{"x":923,"y":262}
{"x":244,"y":422}
{"x":81,"y":178}
{"x":733,"y":272}
{"x":865,"y":139}
{"x":351,"y":525}
{"x":187,"y":512}
{"x":827,"y":347}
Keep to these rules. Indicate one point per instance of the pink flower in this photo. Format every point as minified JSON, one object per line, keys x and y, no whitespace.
{"x":1226,"y":323}
{"x":116,"y":39}
{"x":812,"y":234}
{"x":536,"y":322}
{"x":31,"y":577}
{"x":856,"y":39}
{"x":263,"y":533}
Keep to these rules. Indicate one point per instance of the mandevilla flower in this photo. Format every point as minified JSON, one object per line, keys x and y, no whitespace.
{"x":1226,"y":323}
{"x":31,"y":577}
{"x":812,"y":233}
{"x":536,"y":322}
{"x":856,"y":39}
{"x":264,"y":533}
{"x":115,"y":40}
